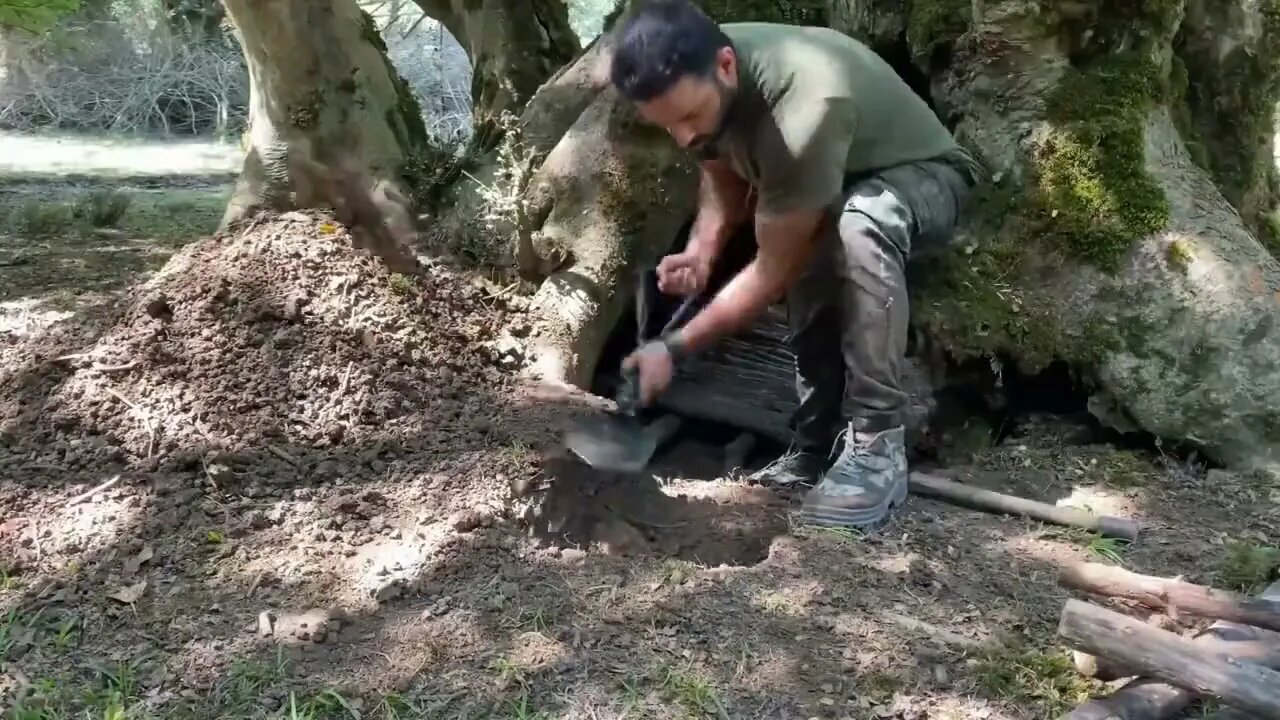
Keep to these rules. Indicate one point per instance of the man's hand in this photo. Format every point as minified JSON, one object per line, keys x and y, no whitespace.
{"x":785,"y":246}
{"x":684,"y":274}
{"x":656,"y":367}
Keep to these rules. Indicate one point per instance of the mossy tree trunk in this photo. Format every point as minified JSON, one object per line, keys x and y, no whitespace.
{"x":1101,"y":241}
{"x":1228,"y":69}
{"x":330,"y":120}
{"x":514,"y":47}
{"x":1103,"y":237}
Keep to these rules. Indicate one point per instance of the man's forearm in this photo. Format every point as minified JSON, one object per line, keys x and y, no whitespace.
{"x":722,"y":208}
{"x":785,"y":248}
{"x":740,"y":301}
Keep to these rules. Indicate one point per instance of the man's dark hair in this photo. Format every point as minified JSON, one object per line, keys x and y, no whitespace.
{"x":662,"y":42}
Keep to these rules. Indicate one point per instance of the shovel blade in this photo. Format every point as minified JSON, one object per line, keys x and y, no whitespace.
{"x":615,"y":443}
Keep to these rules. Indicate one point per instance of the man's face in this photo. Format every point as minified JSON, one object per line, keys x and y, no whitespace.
{"x":694,"y":107}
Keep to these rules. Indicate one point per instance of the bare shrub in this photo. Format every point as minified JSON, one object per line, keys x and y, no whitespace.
{"x":37,"y":218}
{"x":102,"y":208}
{"x":94,"y":79}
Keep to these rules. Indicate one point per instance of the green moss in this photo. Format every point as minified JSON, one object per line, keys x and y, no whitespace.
{"x":1093,"y":195}
{"x":799,"y":12}
{"x":931,"y":23}
{"x":1179,"y":254}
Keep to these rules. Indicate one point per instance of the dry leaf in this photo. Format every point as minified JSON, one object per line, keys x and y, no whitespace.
{"x":130,"y":593}
{"x":132,"y":565}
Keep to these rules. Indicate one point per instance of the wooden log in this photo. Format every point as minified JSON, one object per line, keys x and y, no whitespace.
{"x":1148,"y":699}
{"x":1162,"y":655}
{"x":991,"y":501}
{"x":1171,"y":594}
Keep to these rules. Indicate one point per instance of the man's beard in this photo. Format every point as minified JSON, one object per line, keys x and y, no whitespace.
{"x":728,"y":97}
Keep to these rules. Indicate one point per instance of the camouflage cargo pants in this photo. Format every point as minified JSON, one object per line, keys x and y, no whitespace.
{"x":848,"y":313}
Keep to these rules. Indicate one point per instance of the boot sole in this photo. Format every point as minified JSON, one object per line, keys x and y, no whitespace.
{"x":864,"y":519}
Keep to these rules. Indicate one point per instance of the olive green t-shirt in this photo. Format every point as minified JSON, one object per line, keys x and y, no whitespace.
{"x":815,"y":107}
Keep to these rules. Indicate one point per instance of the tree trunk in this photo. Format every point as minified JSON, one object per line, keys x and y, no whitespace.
{"x":1099,"y":241}
{"x":514,"y":46}
{"x":330,"y":120}
{"x":1228,"y":56}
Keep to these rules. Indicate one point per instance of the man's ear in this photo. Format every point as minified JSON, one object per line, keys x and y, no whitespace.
{"x":727,"y":65}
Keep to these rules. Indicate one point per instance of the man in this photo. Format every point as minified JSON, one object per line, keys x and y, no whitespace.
{"x":847,"y":173}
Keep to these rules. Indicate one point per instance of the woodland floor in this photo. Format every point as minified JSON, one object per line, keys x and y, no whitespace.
{"x":311,"y":513}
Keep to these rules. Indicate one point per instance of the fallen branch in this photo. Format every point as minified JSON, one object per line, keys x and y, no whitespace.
{"x":94,"y":491}
{"x":99,"y":367}
{"x":1171,"y":594}
{"x":282,"y":454}
{"x":991,"y":501}
{"x":143,"y":415}
{"x":1162,"y":655}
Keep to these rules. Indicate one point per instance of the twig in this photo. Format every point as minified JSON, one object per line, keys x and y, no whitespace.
{"x":90,"y":493}
{"x":142,"y":415}
{"x":35,"y":539}
{"x":257,"y":580}
{"x":115,"y":368}
{"x":346,"y":379}
{"x":282,"y":454}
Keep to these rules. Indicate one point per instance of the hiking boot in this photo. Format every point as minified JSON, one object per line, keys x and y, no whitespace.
{"x":794,"y":469}
{"x":864,"y":484}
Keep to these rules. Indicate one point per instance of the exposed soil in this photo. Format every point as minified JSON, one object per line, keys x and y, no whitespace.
{"x":329,"y":495}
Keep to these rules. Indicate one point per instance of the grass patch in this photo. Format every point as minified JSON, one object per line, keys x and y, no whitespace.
{"x":1247,"y":567}
{"x":175,"y":214}
{"x":878,"y":686}
{"x":251,"y":689}
{"x":691,"y":691}
{"x":61,"y":244}
{"x":1042,"y":677}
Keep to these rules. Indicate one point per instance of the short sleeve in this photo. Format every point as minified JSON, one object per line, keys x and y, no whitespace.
{"x":802,"y":153}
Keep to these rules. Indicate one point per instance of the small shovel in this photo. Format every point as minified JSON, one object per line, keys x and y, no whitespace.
{"x":619,"y":442}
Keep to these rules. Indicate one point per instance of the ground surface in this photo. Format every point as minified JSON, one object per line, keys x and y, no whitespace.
{"x":310,"y":512}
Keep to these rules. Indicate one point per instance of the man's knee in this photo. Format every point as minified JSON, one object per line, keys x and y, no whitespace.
{"x":870,"y":257}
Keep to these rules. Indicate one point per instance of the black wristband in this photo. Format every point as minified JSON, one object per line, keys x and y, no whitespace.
{"x":675,"y":344}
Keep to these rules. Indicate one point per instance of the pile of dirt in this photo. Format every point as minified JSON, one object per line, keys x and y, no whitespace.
{"x":271,"y":358}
